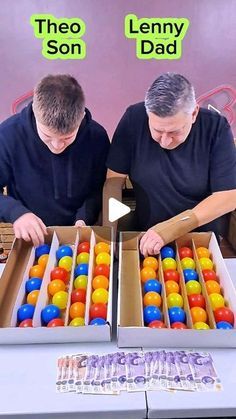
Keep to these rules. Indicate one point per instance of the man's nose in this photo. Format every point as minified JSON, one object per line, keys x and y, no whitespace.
{"x":57,"y":144}
{"x":165,"y":139}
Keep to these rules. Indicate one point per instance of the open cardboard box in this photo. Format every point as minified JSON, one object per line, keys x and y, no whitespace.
{"x":131,"y":329}
{"x":12,"y":290}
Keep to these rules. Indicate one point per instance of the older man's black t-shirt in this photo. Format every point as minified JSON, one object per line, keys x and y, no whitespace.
{"x":167,"y":182}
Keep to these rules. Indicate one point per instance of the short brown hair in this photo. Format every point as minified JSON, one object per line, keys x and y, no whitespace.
{"x":59,"y":102}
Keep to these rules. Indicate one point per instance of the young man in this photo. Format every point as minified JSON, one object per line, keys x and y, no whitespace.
{"x":180,"y":159}
{"x":52,"y":161}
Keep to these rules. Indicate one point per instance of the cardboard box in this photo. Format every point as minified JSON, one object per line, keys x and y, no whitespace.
{"x":130,"y":323}
{"x":12,"y":290}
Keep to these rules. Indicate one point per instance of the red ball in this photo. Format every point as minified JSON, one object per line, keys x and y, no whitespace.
{"x":157,"y":324}
{"x":26,"y":323}
{"x":78,"y":296}
{"x":209,"y":275}
{"x":178,"y":325}
{"x":55,"y":323}
{"x":171,"y":275}
{"x":102,"y":270}
{"x":83,"y":247}
{"x":196,"y":300}
{"x":224,"y":314}
{"x":60,"y":273}
{"x":98,"y":310}
{"x":185,"y":252}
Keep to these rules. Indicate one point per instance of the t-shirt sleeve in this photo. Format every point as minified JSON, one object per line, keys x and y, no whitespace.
{"x":223,"y":160}
{"x":120,"y":155}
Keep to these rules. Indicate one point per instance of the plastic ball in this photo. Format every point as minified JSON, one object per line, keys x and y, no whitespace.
{"x":157,"y":324}
{"x":206,"y":263}
{"x":100,"y":295}
{"x":77,"y":310}
{"x":175,"y":300}
{"x":209,"y":275}
{"x":178,"y":325}
{"x":26,"y":311}
{"x":167,"y":252}
{"x":169,"y":263}
{"x":198,"y":314}
{"x":177,"y":314}
{"x":81,"y":281}
{"x":171,"y":275}
{"x":102,"y":247}
{"x":213,"y":287}
{"x":60,"y":273}
{"x":64,"y":250}
{"x":103,"y":258}
{"x":185,"y":252}
{"x":83,"y":257}
{"x":201,"y":326}
{"x":36,"y":271}
{"x":98,"y":310}
{"x":66,"y":263}
{"x":49,"y":313}
{"x":150,"y":262}
{"x":203,"y":252}
{"x":43,"y":249}
{"x":102,"y":270}
{"x":55,"y":323}
{"x":216,"y":300}
{"x":32,"y":297}
{"x":81,"y":269}
{"x":60,"y":299}
{"x":196,"y":300}
{"x":193,"y":287}
{"x":152,"y":298}
{"x":83,"y":247}
{"x":224,"y":325}
{"x":152,"y":285}
{"x":190,"y":275}
{"x":171,"y":287}
{"x":77,"y":322}
{"x":147,"y":273}
{"x":151,"y":313}
{"x":43,"y":260}
{"x":26,"y":323}
{"x":78,"y":296}
{"x":98,"y":321}
{"x":33,"y":284}
{"x":224,"y":314}
{"x":55,"y":286}
{"x":187,"y":263}
{"x":100,"y":281}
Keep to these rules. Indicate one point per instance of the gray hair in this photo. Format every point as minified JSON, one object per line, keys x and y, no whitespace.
{"x":59,"y":102}
{"x":169,"y":94}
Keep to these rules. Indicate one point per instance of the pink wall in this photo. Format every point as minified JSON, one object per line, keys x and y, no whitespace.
{"x":111,"y":75}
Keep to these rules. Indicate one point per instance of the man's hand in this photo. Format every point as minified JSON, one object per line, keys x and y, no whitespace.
{"x":80,"y":223}
{"x":29,"y":227}
{"x":151,"y":243}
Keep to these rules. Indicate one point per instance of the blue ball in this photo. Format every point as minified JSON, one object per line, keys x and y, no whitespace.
{"x":167,"y":252}
{"x":26,"y":311}
{"x":64,"y":251}
{"x":224,"y":325}
{"x":49,"y":313}
{"x":151,"y":313}
{"x":190,"y":275}
{"x":44,"y":249}
{"x":152,"y":285}
{"x":33,"y":284}
{"x":177,"y":314}
{"x":81,"y":269}
{"x":98,"y":321}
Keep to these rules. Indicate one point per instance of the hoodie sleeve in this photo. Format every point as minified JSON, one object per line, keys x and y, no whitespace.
{"x":91,"y":207}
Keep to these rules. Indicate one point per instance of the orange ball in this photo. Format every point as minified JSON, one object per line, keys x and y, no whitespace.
{"x":36,"y":271}
{"x":203,"y":252}
{"x":77,"y":310}
{"x":152,"y":298}
{"x":55,"y":286}
{"x":32,"y":297}
{"x":101,"y":247}
{"x":198,"y":314}
{"x":100,"y":281}
{"x":147,"y":273}
{"x":150,"y":262}
{"x":212,"y":286}
{"x":43,"y":260}
{"x":171,"y":286}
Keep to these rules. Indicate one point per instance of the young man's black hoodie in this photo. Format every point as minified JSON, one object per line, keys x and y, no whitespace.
{"x":58,"y":188}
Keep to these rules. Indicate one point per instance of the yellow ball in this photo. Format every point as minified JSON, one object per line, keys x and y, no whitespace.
{"x":32,"y":297}
{"x":101,"y":247}
{"x":193,"y":287}
{"x":103,"y":258}
{"x":66,"y":263}
{"x":60,"y":299}
{"x":206,"y":263}
{"x":216,"y":300}
{"x":201,"y":326}
{"x":169,"y":263}
{"x":77,"y":321}
{"x":151,"y":262}
{"x":100,"y":295}
{"x":83,"y":257}
{"x":81,"y":281}
{"x":175,"y":300}
{"x":187,"y":263}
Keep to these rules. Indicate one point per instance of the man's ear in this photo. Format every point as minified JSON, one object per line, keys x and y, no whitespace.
{"x":195,"y":113}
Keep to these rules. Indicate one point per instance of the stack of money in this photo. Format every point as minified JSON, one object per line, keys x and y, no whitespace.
{"x":137,"y":371}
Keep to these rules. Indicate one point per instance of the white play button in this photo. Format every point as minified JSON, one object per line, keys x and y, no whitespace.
{"x":116,"y":210}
